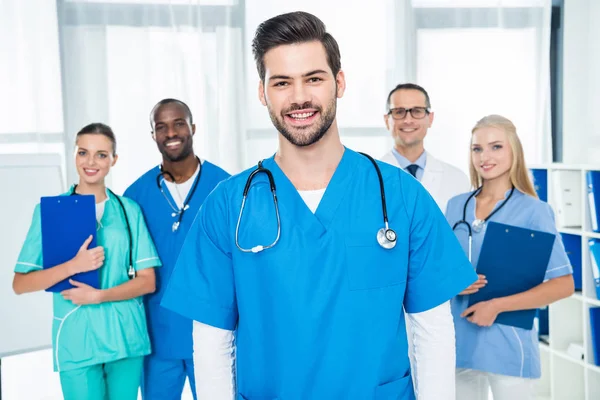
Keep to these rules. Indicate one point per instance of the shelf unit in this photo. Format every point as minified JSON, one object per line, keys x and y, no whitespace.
{"x":565,"y":377}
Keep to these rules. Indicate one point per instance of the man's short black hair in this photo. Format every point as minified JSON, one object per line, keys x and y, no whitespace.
{"x":292,"y":28}
{"x":408,"y":86}
{"x":169,"y":101}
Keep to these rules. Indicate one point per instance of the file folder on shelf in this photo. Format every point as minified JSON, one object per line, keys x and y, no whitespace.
{"x":594,"y":262}
{"x":515,"y":271}
{"x":595,"y":331}
{"x":572,"y":245}
{"x":540,"y":183}
{"x":592,"y":179}
{"x":543,"y":322}
{"x":566,"y":186}
{"x":67,"y":221}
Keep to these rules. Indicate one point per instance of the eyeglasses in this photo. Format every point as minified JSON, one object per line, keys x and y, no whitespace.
{"x":415,"y":112}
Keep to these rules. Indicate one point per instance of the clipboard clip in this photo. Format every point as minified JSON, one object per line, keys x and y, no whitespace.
{"x":131,"y":272}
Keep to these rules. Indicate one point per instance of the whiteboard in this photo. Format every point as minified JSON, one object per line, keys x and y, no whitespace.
{"x":25,"y":320}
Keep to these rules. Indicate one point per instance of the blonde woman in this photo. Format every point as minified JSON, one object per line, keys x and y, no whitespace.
{"x":489,"y":355}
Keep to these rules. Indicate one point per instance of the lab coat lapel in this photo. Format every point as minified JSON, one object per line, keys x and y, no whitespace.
{"x":390,"y":159}
{"x":432,"y":175}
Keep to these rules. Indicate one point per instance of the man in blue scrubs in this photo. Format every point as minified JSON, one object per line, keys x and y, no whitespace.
{"x":170,"y":196}
{"x":318,"y":304}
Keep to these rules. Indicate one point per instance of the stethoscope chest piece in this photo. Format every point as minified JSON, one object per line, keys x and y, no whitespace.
{"x":478,"y":225}
{"x":386,"y":238}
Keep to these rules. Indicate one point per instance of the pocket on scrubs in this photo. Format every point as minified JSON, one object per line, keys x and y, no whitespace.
{"x":72,"y":342}
{"x":370,"y":266}
{"x":397,"y":389}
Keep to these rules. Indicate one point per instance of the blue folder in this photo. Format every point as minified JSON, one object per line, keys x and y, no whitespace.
{"x":572,"y":245}
{"x":540,"y":183}
{"x":592,"y":179}
{"x":67,"y":221}
{"x":513,"y":260}
{"x":595,"y":330}
{"x":544,"y":323}
{"x":595,"y":262}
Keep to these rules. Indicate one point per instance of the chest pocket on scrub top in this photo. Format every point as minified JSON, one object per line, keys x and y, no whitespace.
{"x":370,"y":266}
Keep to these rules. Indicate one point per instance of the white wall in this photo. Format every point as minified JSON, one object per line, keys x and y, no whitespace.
{"x":581,"y":82}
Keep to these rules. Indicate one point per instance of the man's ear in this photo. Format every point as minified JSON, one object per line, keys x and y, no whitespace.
{"x":261,"y":93}
{"x":193,"y":129}
{"x":340,"y":81}
{"x":386,"y":120}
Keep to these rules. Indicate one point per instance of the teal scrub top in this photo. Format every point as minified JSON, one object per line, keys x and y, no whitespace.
{"x":99,"y":333}
{"x":321,"y":314}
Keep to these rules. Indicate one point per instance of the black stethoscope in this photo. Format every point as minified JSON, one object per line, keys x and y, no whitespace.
{"x":386,"y":237}
{"x":130,"y":269}
{"x":177,"y":212}
{"x":478,"y":224}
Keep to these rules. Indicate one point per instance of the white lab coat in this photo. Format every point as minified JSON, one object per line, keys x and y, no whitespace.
{"x":442,"y":180}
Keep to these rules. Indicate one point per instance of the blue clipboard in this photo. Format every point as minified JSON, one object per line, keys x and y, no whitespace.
{"x":67,"y":221}
{"x":514,"y":260}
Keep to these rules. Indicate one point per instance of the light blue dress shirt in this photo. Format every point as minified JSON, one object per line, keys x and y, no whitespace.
{"x":404,"y":162}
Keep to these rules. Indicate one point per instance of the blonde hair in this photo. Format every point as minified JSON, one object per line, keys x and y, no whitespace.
{"x":519,"y":176}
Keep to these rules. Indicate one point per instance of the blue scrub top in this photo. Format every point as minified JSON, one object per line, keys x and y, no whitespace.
{"x":170,"y":333}
{"x":502,"y":349}
{"x":319,"y":315}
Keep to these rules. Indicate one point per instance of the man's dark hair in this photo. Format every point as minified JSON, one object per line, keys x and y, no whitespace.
{"x":169,"y":101}
{"x":408,"y":86}
{"x":292,"y":28}
{"x":98,"y":128}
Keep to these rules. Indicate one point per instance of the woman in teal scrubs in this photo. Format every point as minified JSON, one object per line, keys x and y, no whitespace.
{"x":99,"y":336}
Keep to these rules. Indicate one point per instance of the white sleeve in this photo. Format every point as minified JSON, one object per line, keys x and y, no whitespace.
{"x":434,"y":346}
{"x":214,"y":362}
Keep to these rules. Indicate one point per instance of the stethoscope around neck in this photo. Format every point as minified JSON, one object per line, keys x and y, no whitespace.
{"x":177,"y":212}
{"x":386,"y":237}
{"x":478,"y":224}
{"x":130,"y":270}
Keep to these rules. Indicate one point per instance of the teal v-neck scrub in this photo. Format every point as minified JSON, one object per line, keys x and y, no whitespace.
{"x":99,"y":333}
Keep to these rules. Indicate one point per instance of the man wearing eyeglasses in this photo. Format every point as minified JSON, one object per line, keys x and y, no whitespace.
{"x":408,"y":118}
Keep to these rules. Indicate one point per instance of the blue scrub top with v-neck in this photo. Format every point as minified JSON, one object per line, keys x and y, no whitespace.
{"x":502,"y":349}
{"x":319,"y":315}
{"x":170,"y":333}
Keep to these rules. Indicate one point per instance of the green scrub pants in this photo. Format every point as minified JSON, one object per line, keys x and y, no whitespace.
{"x":117,"y":380}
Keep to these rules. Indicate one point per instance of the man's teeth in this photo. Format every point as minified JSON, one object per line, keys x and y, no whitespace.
{"x":172,"y":144}
{"x":302,"y":115}
{"x":408,"y":129}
